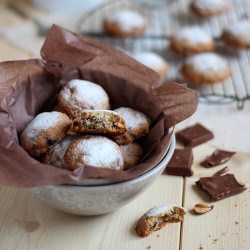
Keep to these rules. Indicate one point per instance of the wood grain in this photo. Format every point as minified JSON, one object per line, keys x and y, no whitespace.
{"x":57,"y":230}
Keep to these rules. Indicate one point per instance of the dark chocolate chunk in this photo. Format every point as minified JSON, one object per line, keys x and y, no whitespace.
{"x":181,"y":162}
{"x":220,"y":187}
{"x":218,"y":157}
{"x":221,"y":172}
{"x":194,"y":135}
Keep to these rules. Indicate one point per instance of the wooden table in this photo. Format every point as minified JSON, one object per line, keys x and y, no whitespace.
{"x":28,"y":223}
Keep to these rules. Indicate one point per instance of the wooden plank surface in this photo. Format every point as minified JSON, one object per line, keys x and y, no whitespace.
{"x":227,"y":225}
{"x":21,"y":213}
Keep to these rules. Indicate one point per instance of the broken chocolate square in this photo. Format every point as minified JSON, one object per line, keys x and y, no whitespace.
{"x":181,"y":162}
{"x":194,"y":135}
{"x":220,"y":187}
{"x":218,"y":157}
{"x":221,"y":172}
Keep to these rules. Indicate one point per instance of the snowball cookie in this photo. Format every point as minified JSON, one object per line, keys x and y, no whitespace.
{"x":44,"y":131}
{"x":191,"y":40}
{"x":137,"y":125}
{"x":132,"y":154}
{"x":78,"y":95}
{"x":153,"y":61}
{"x":93,"y":150}
{"x":158,"y":217}
{"x":208,"y":8}
{"x":237,"y":35}
{"x":99,"y":122}
{"x":125,"y":23}
{"x":205,"y":68}
{"x":54,"y":156}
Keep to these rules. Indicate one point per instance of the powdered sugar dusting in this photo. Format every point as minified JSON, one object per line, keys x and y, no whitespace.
{"x":151,"y":60}
{"x":133,"y":118}
{"x":127,"y":19}
{"x":161,"y":209}
{"x":86,"y":92}
{"x":99,"y":151}
{"x":213,"y":5}
{"x":207,"y":62}
{"x":43,"y":121}
{"x":61,"y":147}
{"x":193,"y":34}
{"x":240,"y":29}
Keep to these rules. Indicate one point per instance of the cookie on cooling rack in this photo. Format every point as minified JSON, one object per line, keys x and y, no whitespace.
{"x":158,"y":217}
{"x":205,"y":68}
{"x":45,"y":130}
{"x":137,"y":125}
{"x":153,"y":61}
{"x":94,"y":150}
{"x":125,"y":23}
{"x":237,"y":35}
{"x":78,"y":95}
{"x":132,"y":154}
{"x":191,"y":40}
{"x":208,"y":8}
{"x":99,"y":122}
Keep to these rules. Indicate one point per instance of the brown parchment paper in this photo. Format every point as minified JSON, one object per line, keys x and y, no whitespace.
{"x":30,"y":87}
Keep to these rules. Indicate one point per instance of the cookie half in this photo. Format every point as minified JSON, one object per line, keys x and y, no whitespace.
{"x":158,"y":217}
{"x":99,"y":122}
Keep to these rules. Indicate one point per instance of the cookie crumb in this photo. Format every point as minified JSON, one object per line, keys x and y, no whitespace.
{"x":149,"y":247}
{"x":237,"y":222}
{"x":215,"y":241}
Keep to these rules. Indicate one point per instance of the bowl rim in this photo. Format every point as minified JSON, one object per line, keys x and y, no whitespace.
{"x":167,"y":156}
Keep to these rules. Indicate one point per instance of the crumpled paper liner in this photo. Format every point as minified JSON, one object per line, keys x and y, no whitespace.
{"x":30,"y":87}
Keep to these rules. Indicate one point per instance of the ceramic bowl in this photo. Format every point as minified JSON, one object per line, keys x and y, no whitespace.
{"x":100,"y":199}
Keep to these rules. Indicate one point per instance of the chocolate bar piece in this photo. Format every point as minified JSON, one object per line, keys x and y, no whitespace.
{"x":220,"y":187}
{"x":194,"y":135}
{"x":181,"y":162}
{"x":221,"y":172}
{"x":218,"y":157}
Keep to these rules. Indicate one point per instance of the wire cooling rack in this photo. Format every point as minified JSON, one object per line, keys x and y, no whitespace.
{"x":166,"y":17}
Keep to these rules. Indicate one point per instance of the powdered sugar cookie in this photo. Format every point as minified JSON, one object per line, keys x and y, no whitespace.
{"x":78,"y":95}
{"x":125,"y":23}
{"x":95,"y":151}
{"x":44,"y":131}
{"x":237,"y":35}
{"x":99,"y":122}
{"x":158,"y":217}
{"x":208,"y":8}
{"x":54,"y":156}
{"x":137,"y":125}
{"x":132,"y":154}
{"x":191,"y":40}
{"x":205,"y":68}
{"x":153,"y":61}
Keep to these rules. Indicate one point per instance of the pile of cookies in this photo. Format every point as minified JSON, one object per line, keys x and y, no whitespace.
{"x":202,"y":65}
{"x":82,"y":130}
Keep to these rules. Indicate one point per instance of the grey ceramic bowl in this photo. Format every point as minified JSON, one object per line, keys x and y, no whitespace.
{"x":100,"y":199}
